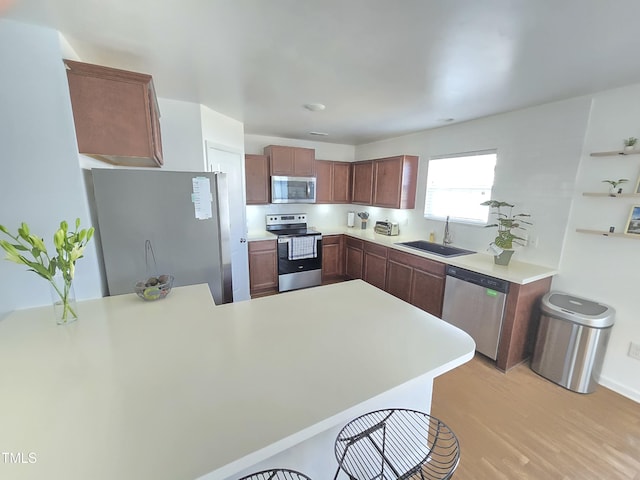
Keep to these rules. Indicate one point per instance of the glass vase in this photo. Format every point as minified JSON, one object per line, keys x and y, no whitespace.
{"x":64,"y":300}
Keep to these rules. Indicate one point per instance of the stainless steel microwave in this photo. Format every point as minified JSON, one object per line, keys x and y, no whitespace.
{"x":293,"y":189}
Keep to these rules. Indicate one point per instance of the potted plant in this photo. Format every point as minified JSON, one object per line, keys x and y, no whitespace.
{"x":630,"y":143}
{"x":502,"y":246}
{"x":28,"y":249}
{"x":613,"y":189}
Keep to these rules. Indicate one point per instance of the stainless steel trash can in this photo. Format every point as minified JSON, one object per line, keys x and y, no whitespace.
{"x":571,"y":340}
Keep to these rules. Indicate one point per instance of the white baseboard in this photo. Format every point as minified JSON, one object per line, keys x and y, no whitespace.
{"x":621,"y":389}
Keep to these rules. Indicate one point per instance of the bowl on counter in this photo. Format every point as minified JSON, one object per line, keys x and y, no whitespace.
{"x":154,"y":288}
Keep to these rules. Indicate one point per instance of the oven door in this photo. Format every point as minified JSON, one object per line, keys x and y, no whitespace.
{"x":293,"y":189}
{"x":299,"y":263}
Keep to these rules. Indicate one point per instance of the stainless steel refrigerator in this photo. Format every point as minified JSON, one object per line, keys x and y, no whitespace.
{"x":184,"y":215}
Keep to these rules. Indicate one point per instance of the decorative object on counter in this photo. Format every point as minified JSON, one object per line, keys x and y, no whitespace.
{"x":364,"y":217}
{"x":502,"y":246}
{"x":351,"y":219}
{"x":613,"y":186}
{"x":155,"y":287}
{"x":432,"y":237}
{"x":58,"y":270}
{"x":633,"y":224}
{"x":630,"y":143}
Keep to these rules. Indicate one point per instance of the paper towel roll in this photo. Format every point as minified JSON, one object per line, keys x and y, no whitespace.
{"x":351,"y":219}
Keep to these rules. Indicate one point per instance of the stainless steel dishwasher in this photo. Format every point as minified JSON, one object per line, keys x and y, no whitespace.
{"x":475,"y":303}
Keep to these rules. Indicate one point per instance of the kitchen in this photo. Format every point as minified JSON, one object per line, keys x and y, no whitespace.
{"x":545,"y":151}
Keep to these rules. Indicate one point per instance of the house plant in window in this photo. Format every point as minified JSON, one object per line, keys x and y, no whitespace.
{"x":507,"y":222}
{"x":29,"y":249}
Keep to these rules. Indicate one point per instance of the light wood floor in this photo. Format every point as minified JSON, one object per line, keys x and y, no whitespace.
{"x":521,"y":426}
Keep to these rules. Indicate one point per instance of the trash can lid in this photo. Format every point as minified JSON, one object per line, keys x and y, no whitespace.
{"x":578,"y":310}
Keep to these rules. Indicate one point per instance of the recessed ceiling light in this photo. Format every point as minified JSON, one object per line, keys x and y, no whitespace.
{"x":314,"y":107}
{"x":446,"y":120}
{"x":321,"y":134}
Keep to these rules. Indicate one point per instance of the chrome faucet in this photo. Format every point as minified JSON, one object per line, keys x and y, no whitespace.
{"x":446,"y":239}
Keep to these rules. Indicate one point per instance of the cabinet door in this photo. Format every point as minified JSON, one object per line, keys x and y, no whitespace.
{"x":353,"y":260}
{"x":387,"y":174}
{"x":332,"y":263}
{"x":263,"y":267}
{"x":341,"y":182}
{"x":427,"y":292}
{"x":375,"y":265}
{"x":280,"y":159}
{"x":362,"y":190}
{"x":115,"y":115}
{"x":292,"y":161}
{"x":375,"y":270}
{"x":303,"y":162}
{"x":256,"y":169}
{"x":399,"y":280}
{"x":324,"y":181}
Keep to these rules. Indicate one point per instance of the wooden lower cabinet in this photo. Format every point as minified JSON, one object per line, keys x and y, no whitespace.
{"x":520,"y":324}
{"x":374,"y":270}
{"x":417,"y":280}
{"x":332,"y":258}
{"x":427,"y":292}
{"x":399,"y":279}
{"x":263,"y":268}
{"x":353,"y":258}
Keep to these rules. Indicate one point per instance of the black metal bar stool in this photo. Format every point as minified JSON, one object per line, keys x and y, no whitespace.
{"x":395,"y":444}
{"x":276,"y":474}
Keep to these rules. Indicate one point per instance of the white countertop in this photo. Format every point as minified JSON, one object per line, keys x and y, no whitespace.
{"x":180,"y":388}
{"x":516,"y":272}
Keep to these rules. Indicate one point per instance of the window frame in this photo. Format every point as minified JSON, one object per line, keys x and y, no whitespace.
{"x":453,"y":218}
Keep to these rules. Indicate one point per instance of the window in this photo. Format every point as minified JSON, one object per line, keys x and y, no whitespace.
{"x":458,"y":184}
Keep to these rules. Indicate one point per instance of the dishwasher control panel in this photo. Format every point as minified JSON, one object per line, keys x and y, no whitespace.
{"x":479,"y":279}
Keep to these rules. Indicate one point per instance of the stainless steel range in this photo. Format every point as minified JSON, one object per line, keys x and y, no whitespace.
{"x":299,"y":251}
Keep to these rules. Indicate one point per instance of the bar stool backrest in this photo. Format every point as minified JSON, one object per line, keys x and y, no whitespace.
{"x":276,"y":474}
{"x":394,"y":444}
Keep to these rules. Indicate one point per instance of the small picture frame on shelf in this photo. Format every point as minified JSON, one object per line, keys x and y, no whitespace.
{"x":633,"y":224}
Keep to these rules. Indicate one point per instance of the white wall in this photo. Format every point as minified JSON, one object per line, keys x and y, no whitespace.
{"x":600,"y":268}
{"x":41,"y":182}
{"x":324,"y":217}
{"x":221,"y":130}
{"x":181,"y":135}
{"x":538,"y":153}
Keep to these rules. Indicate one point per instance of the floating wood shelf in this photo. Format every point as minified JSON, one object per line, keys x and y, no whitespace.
{"x":607,"y":234}
{"x":598,"y":194}
{"x":615,"y":153}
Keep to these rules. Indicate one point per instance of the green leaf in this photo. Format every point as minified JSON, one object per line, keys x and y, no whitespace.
{"x":3,"y":229}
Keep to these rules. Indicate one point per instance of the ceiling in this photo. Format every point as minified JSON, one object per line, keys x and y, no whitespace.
{"x":382,"y":67}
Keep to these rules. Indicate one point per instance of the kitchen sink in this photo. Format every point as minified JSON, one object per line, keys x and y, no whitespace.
{"x":436,"y":248}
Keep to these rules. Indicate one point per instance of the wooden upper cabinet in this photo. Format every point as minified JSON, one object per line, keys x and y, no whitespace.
{"x":386,"y":182}
{"x":324,"y":181}
{"x":333,"y":181}
{"x":256,"y":170}
{"x":395,"y":180}
{"x":291,"y":161}
{"x":115,"y":114}
{"x":362,"y":189}
{"x":341,"y":182}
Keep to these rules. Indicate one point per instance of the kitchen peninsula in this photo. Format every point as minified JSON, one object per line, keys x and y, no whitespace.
{"x":182,"y":388}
